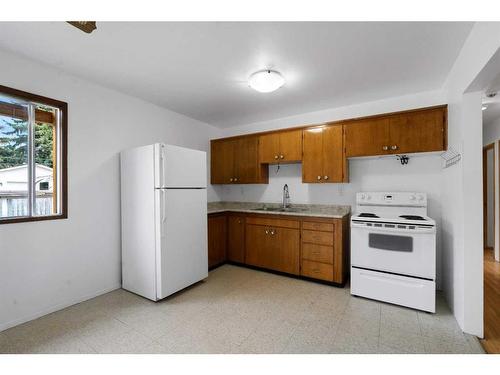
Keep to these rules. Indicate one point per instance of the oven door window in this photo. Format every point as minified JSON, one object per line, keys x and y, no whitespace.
{"x":390,"y":242}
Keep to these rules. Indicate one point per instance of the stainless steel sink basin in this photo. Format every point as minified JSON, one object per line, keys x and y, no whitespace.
{"x":281,"y":209}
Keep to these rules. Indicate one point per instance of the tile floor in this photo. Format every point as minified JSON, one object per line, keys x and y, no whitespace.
{"x":237,"y":310}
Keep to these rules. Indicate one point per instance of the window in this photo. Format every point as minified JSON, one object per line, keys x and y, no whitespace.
{"x":33,"y":157}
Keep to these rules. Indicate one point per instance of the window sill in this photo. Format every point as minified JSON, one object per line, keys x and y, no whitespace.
{"x":27,"y":219}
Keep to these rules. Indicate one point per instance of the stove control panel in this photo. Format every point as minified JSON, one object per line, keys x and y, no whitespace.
{"x":392,"y":199}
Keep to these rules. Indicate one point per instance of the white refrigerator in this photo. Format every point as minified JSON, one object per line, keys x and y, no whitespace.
{"x":164,"y":219}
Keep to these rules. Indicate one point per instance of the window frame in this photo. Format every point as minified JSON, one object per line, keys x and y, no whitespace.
{"x":62,"y":157}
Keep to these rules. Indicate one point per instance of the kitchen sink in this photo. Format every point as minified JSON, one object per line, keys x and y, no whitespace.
{"x":281,"y":209}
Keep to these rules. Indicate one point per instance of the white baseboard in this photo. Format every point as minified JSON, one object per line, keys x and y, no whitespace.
{"x":24,"y":319}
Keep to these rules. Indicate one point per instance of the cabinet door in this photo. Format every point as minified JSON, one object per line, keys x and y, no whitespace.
{"x":285,"y":254}
{"x":259,"y":246}
{"x":236,"y":239}
{"x":269,"y":148}
{"x":420,"y":131}
{"x":217,"y":234}
{"x":312,"y":163}
{"x":248,"y":169}
{"x":333,"y":154}
{"x":367,"y":137}
{"x":290,"y":149}
{"x":222,"y":169}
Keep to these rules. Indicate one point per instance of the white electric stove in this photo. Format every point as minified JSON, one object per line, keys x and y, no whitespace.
{"x":393,"y":249}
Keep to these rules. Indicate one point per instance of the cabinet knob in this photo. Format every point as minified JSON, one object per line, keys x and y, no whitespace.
{"x":281,"y":156}
{"x":276,"y":156}
{"x":235,"y":179}
{"x":385,"y":148}
{"x":239,"y":221}
{"x":394,"y":147}
{"x":267,"y":231}
{"x":319,"y":177}
{"x":273,"y":232}
{"x":326,"y":177}
{"x":231,"y":180}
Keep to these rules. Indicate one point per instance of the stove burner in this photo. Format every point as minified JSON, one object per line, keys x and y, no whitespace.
{"x":412,"y":217}
{"x":365,"y":214}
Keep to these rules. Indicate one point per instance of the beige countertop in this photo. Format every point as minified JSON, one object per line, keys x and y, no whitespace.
{"x":315,"y":210}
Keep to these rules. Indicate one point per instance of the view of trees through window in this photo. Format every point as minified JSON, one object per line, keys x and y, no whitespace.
{"x":15,"y":165}
{"x":13,"y":143}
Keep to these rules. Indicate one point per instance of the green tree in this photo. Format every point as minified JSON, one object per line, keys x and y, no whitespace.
{"x":14,"y":139}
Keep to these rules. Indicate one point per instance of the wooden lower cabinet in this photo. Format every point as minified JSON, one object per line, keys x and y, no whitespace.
{"x":315,"y":248}
{"x":324,"y":249}
{"x":275,"y":248}
{"x":317,"y":270}
{"x":217,"y":239}
{"x":236,"y":238}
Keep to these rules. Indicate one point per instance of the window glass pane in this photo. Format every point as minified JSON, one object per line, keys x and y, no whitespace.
{"x":45,"y":159}
{"x":13,"y":158}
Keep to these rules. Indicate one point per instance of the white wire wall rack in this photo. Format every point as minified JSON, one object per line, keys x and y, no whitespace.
{"x":451,"y":157}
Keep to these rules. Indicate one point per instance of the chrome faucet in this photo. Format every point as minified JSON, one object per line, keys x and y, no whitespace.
{"x":286,"y":197}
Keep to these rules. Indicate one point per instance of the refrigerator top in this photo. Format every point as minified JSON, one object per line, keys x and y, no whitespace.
{"x":179,"y":167}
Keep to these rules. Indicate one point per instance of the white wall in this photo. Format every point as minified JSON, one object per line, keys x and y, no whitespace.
{"x":422,"y":173}
{"x":491,"y":132}
{"x":462,"y":184}
{"x":48,"y":265}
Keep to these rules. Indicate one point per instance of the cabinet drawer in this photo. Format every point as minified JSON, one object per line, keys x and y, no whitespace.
{"x":270,"y":222}
{"x":319,"y":238}
{"x":317,"y":270}
{"x":325,"y":227}
{"x":317,"y":253}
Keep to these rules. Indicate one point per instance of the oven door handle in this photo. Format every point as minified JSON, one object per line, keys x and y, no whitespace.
{"x":393,"y":230}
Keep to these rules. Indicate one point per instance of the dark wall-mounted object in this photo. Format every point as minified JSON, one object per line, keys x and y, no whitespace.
{"x":85,"y":26}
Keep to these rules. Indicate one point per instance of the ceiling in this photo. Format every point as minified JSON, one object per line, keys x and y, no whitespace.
{"x":200,"y":69}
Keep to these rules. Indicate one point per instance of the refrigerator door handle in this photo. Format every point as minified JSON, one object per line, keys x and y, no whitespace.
{"x":164,"y":206}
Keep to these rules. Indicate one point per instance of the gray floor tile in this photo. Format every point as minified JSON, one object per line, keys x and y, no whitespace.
{"x":238,"y":310}
{"x":401,"y":340}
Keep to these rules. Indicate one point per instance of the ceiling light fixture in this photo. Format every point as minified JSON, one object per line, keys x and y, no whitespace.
{"x":484,"y":107}
{"x":266,"y":80}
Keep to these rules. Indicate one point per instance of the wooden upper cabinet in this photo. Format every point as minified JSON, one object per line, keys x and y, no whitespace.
{"x":323,"y":150}
{"x":323,"y":159}
{"x":312,"y":163}
{"x":334,"y":163}
{"x":236,"y":161}
{"x":248,"y":169}
{"x":420,"y":131}
{"x":281,"y":147}
{"x":222,"y":161}
{"x":291,"y":145}
{"x":367,"y":137}
{"x":269,"y":148}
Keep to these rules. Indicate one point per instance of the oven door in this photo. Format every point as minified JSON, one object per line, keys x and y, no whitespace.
{"x":409,"y":252}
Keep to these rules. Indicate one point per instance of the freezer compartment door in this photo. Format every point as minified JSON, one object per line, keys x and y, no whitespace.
{"x":183,"y":250}
{"x":181,"y":167}
{"x":401,"y":290}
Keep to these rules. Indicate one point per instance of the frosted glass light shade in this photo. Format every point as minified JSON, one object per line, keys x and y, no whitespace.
{"x":266,"y":81}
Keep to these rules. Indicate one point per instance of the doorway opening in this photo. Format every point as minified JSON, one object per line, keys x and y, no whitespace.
{"x":491,"y":178}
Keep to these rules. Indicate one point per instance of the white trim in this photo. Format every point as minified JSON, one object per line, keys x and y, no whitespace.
{"x":57,"y":307}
